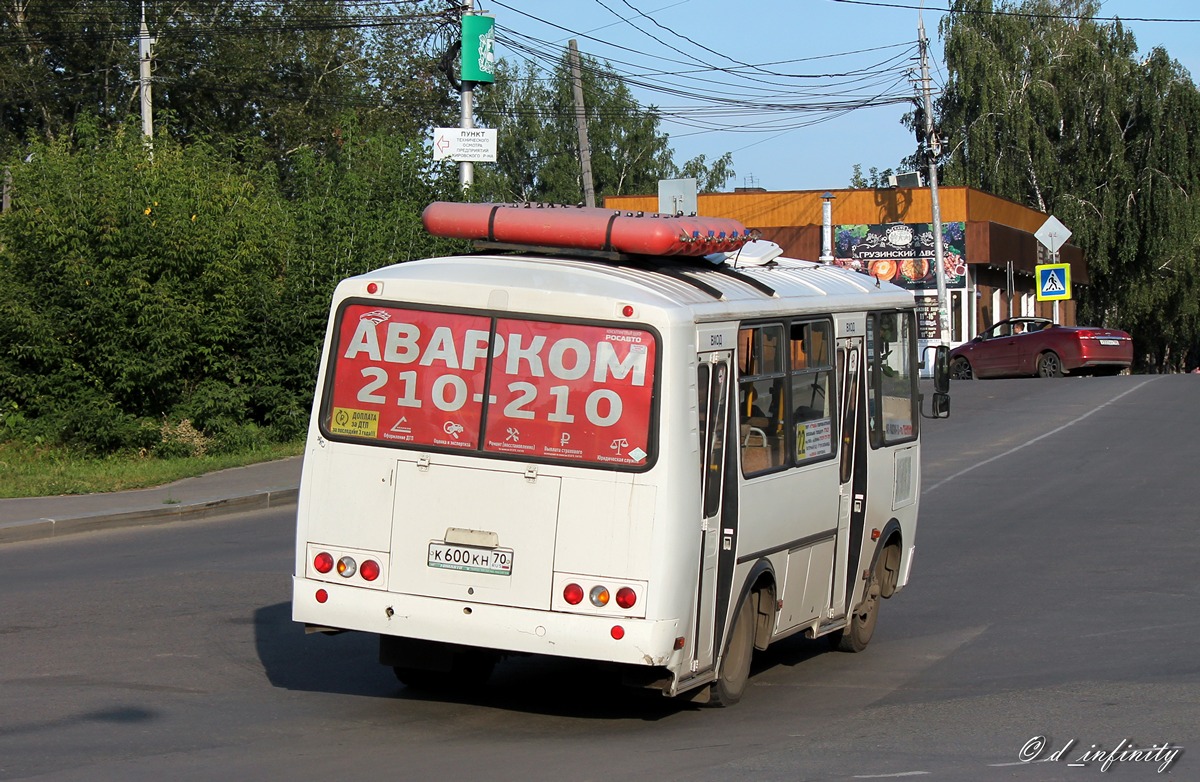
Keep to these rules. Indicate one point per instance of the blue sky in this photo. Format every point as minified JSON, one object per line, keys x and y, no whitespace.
{"x":760,"y":45}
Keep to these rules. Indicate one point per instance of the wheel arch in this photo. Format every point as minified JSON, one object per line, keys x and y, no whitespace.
{"x":761,"y":581}
{"x":890,"y":545}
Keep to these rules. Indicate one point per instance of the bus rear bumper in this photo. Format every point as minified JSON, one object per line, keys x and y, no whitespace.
{"x":503,"y":628}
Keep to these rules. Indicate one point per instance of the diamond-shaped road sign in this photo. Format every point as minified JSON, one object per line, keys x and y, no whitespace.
{"x":1053,"y":234}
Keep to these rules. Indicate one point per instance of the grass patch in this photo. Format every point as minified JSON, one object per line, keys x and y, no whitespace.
{"x":37,"y":471}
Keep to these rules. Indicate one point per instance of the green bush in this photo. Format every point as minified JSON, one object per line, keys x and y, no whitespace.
{"x":190,"y":287}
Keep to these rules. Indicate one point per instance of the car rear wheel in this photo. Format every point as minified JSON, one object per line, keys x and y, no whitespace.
{"x":1049,"y":365}
{"x":960,"y":369}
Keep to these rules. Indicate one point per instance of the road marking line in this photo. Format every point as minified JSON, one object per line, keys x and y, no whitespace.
{"x":893,"y":776}
{"x":1028,"y":443}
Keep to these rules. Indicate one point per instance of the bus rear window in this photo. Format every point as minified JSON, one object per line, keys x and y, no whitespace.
{"x":498,"y":386}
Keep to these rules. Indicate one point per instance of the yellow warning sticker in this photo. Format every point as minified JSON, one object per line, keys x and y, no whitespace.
{"x":356,"y":423}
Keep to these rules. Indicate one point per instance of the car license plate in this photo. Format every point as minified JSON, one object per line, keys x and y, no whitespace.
{"x":1112,"y":343}
{"x":496,"y":561}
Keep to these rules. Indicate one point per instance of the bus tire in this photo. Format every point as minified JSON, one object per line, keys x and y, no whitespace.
{"x":861,"y":627}
{"x":735,"y":665}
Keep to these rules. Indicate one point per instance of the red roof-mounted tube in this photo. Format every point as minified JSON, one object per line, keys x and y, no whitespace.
{"x":585,"y":228}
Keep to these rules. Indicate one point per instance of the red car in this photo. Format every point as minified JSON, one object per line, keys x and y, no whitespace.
{"x":1038,"y":346}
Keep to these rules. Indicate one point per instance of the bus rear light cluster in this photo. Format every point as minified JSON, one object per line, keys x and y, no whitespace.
{"x":353,"y":567}
{"x":599,"y":595}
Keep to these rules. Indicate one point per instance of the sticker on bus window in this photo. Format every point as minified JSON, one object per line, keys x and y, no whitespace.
{"x":814,"y":438}
{"x":564,"y":391}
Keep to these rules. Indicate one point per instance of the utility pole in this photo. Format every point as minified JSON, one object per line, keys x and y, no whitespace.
{"x":933,"y":149}
{"x":144,"y":44}
{"x":585,"y":152}
{"x":466,"y":94}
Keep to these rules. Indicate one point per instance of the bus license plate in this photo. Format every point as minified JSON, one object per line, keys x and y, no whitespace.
{"x":1112,"y":343}
{"x":496,"y":561}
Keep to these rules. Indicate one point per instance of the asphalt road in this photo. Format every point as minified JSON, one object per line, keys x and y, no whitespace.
{"x":1052,"y":597}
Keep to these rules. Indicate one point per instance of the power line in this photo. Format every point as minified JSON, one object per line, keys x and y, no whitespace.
{"x":1023,"y":14}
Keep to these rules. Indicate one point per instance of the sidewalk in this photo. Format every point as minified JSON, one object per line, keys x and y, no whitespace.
{"x":229,"y":491}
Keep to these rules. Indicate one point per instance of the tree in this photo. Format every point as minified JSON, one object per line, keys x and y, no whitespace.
{"x":283,"y":72}
{"x":57,"y":65}
{"x":710,"y":178}
{"x":1046,"y":106}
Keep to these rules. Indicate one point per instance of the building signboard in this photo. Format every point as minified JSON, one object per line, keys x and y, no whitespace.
{"x":903,"y":253}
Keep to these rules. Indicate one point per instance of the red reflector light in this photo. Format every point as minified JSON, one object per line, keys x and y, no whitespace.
{"x":372,"y":287}
{"x":627,"y":311}
{"x":369,"y":570}
{"x":626,"y":597}
{"x":322,"y":595}
{"x":323,"y":562}
{"x":617,"y":632}
{"x":573,"y":594}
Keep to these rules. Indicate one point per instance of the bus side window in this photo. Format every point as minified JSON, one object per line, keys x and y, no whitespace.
{"x":762,"y":406}
{"x":892,"y":393}
{"x":812,"y":391}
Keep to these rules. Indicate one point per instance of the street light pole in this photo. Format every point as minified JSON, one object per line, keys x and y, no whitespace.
{"x":934,"y":149}
{"x":466,"y":92}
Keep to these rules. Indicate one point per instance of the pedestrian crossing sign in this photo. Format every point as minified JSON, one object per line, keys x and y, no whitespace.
{"x":1054,"y":281}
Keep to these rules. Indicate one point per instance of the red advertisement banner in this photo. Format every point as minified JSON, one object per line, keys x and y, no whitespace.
{"x":556,"y":390}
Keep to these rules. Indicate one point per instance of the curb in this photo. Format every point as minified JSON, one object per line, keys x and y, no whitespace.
{"x":40,"y":529}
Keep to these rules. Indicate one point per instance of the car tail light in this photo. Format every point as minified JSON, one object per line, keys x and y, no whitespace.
{"x":346,"y":567}
{"x":626,"y":597}
{"x":323,"y":562}
{"x":369,"y":570}
{"x":573,"y":594}
{"x":599,"y":596}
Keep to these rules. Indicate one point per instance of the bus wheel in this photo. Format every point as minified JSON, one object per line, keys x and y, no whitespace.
{"x":735,"y":666}
{"x":857,"y":634}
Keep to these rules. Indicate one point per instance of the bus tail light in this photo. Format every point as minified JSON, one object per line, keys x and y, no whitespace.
{"x":347,"y":567}
{"x":599,"y":596}
{"x":626,"y":597}
{"x":573,"y":594}
{"x":617,"y":632}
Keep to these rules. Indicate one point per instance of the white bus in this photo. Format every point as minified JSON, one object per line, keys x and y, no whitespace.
{"x":659,"y":462}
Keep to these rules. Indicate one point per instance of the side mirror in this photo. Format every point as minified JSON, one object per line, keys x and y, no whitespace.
{"x":941,"y":406}
{"x":941,"y":372}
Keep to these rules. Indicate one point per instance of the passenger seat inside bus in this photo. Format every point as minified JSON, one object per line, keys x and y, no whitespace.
{"x":761,"y":436}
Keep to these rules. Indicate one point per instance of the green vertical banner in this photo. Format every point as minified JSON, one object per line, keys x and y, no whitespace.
{"x":478,"y":48}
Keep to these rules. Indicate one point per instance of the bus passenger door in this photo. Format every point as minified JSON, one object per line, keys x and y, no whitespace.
{"x":712,"y":384}
{"x":852,"y":479}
